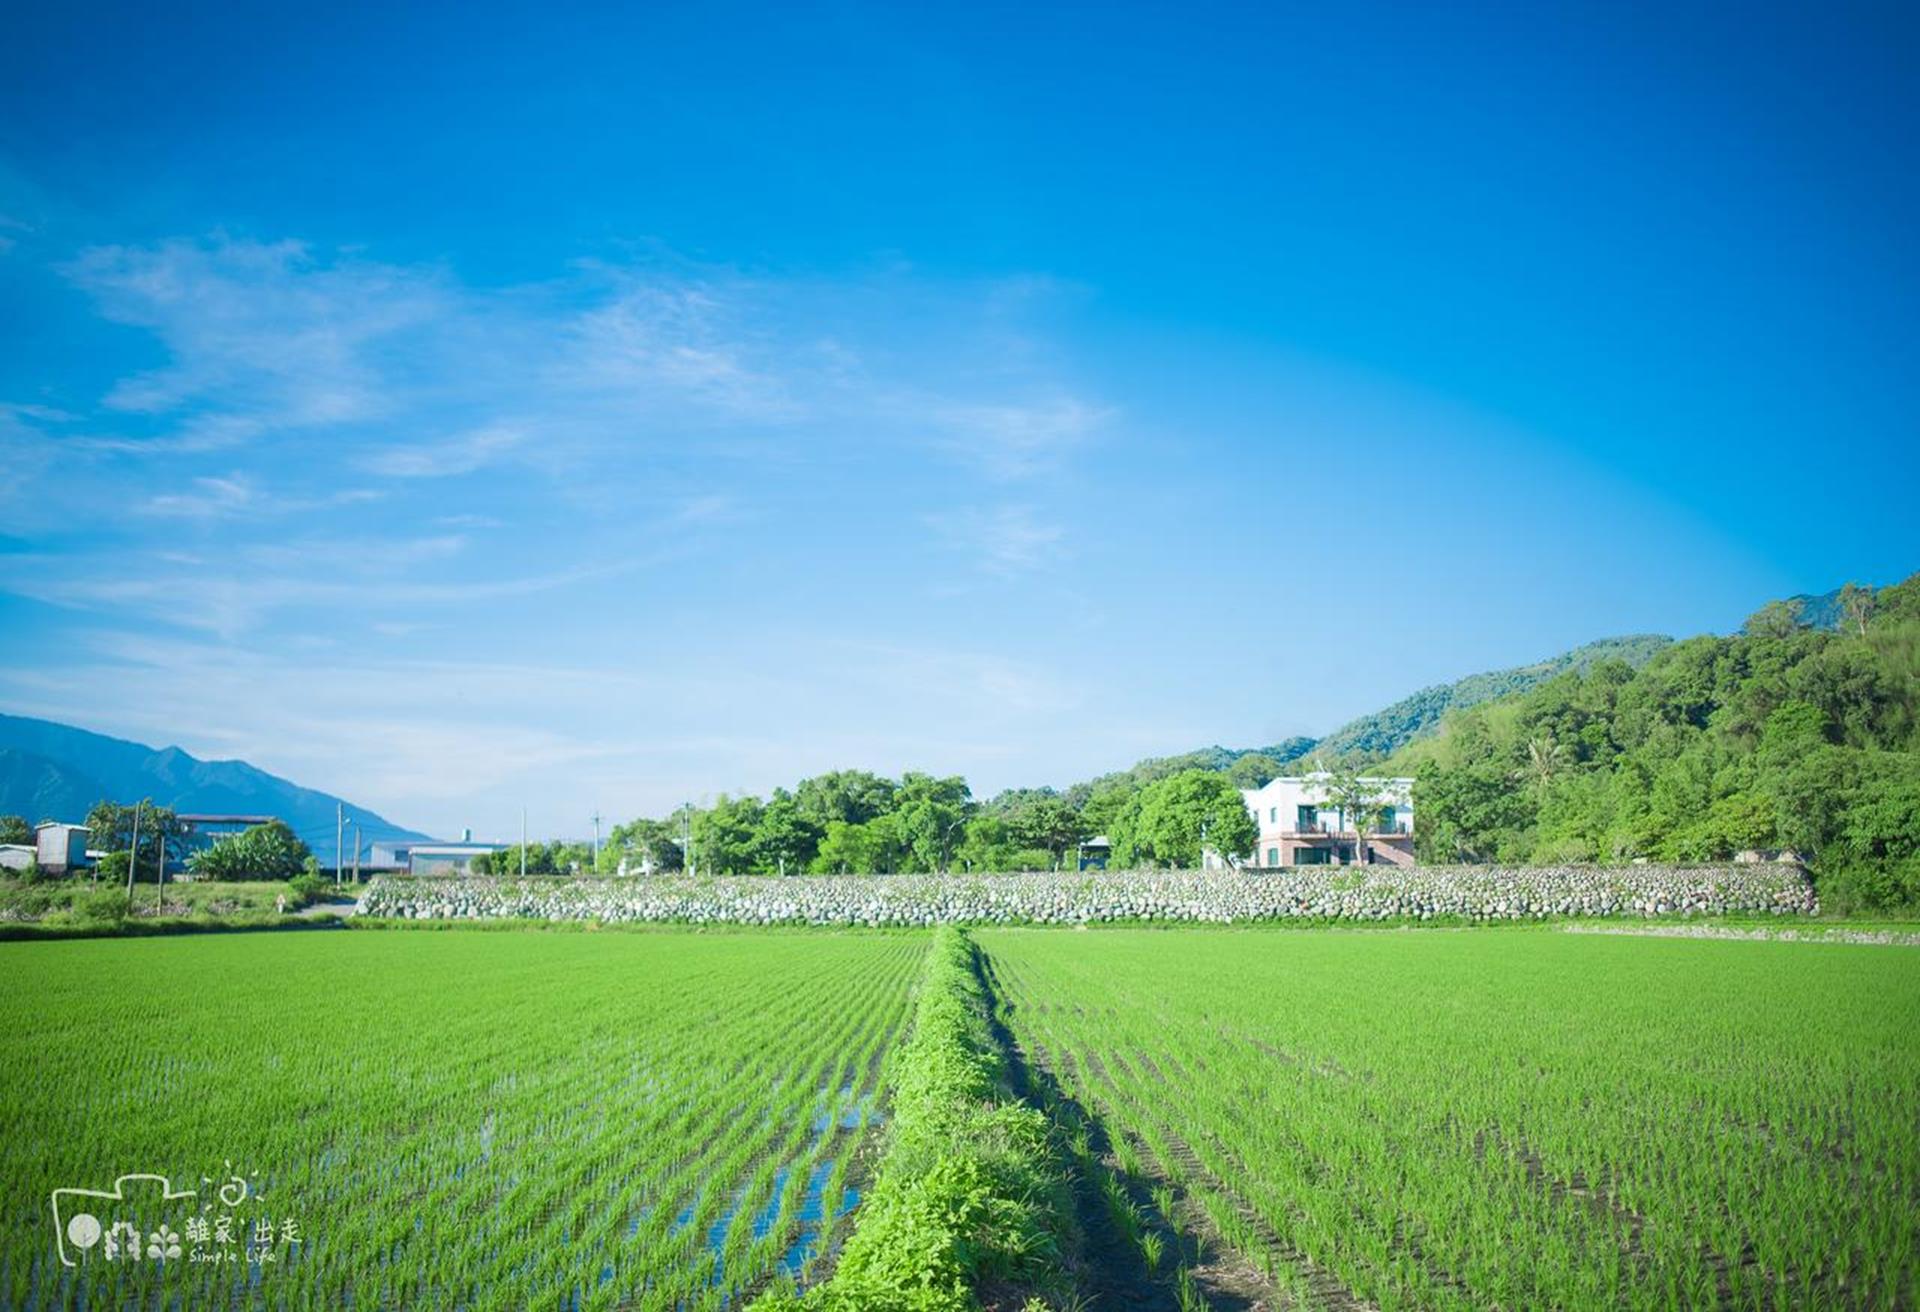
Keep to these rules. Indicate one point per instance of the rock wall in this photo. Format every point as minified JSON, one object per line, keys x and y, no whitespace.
{"x":1356,"y":893}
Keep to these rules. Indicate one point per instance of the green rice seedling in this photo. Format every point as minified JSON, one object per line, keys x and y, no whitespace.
{"x":1152,"y":1248}
{"x":1187,"y":1293}
{"x":502,"y":1120}
{"x":1513,"y":1117}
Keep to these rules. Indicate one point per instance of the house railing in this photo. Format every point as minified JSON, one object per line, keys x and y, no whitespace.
{"x":1398,"y":829}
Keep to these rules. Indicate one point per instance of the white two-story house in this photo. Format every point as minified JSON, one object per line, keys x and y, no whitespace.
{"x":1298,"y":827}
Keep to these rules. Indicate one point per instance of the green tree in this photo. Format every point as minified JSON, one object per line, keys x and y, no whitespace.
{"x":1546,"y":761}
{"x":1169,"y":822}
{"x":850,"y":796}
{"x":1857,"y":605}
{"x":15,"y":829}
{"x":1466,"y":812}
{"x":1100,"y":812}
{"x":540,"y":859}
{"x":653,"y":845}
{"x":723,"y":836}
{"x":110,"y":829}
{"x":873,"y":848}
{"x":987,"y":844}
{"x":1254,"y":770}
{"x":1359,"y":799}
{"x":1048,"y":822}
{"x":785,"y":838}
{"x":845,"y":849}
{"x":268,"y":851}
{"x":1776,"y":619}
{"x":930,"y":813}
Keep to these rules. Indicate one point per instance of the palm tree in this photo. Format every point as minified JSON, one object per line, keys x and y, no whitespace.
{"x":1545,"y":761}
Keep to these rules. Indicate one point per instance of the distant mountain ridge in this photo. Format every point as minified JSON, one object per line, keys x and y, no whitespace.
{"x":1386,"y":731}
{"x":52,"y":771}
{"x":1819,"y":611}
{"x":1407,"y":720}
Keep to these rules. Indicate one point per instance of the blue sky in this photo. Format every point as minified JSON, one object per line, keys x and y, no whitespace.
{"x":485,"y":406}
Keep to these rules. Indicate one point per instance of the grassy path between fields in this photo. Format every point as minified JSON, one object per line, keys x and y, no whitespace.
{"x":971,"y":1204}
{"x":995,"y":1190}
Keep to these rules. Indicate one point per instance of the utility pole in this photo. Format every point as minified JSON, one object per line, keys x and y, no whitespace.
{"x":356,"y":851}
{"x":133,"y":857}
{"x":159,"y":871}
{"x":687,"y":850}
{"x":596,"y":841}
{"x":523,"y":842}
{"x":339,"y":840}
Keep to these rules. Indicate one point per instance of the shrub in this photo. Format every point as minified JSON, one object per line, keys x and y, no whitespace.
{"x":307,"y":888}
{"x":112,"y":868}
{"x":1870,"y":886}
{"x":105,"y":905}
{"x":269,"y":851}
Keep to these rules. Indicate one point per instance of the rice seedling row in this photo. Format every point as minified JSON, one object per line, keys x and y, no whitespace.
{"x":662,"y":1120}
{"x":1512,"y":1119}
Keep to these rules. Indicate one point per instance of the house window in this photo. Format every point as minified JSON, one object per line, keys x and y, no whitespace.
{"x":1273,"y":856}
{"x":1305,"y":818}
{"x":1387,"y":814}
{"x":1273,"y":814}
{"x":1311,"y":856}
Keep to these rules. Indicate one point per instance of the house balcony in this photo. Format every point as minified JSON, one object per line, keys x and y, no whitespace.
{"x":1322,"y":829}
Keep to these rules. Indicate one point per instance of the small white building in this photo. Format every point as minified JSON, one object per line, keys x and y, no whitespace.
{"x":427,"y":857}
{"x":1299,"y":828}
{"x":61,"y":849}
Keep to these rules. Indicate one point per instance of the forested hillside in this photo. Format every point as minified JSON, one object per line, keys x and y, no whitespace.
{"x":1782,"y":737}
{"x":1419,"y":715}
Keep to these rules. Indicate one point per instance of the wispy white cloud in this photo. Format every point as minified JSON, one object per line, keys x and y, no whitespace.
{"x":455,"y":455}
{"x":614,"y":391}
{"x":208,"y":499}
{"x":696,"y":341}
{"x":238,"y":495}
{"x":272,"y":330}
{"x":235,"y":598}
{"x":1014,"y":440}
{"x":1004,"y":539}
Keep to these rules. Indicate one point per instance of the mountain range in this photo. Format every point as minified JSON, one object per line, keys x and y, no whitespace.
{"x":52,"y":771}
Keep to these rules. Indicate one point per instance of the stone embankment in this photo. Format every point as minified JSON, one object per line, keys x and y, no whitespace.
{"x":1367,"y":893}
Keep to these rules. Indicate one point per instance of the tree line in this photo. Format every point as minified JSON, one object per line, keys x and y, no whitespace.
{"x":158,"y":839}
{"x":858,"y":822}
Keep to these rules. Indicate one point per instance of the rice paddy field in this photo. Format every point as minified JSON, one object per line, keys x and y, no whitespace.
{"x":446,"y":1119}
{"x":1324,"y":1118}
{"x":1514,"y":1119}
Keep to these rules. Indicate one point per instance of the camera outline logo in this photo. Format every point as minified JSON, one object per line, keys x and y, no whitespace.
{"x":82,"y":1229}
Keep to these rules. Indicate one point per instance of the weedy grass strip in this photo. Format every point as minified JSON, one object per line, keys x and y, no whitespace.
{"x":971,"y":1193}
